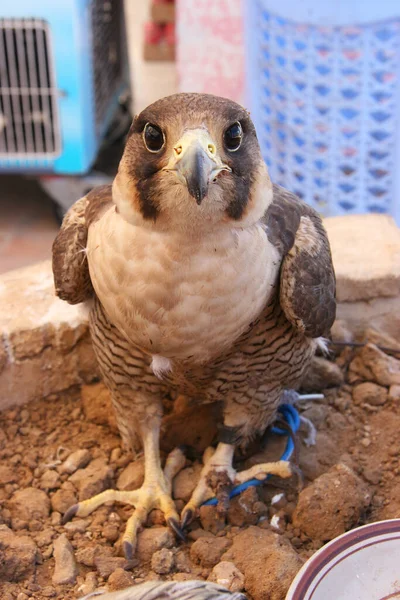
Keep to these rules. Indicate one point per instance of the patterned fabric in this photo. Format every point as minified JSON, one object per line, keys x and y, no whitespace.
{"x":210,"y":57}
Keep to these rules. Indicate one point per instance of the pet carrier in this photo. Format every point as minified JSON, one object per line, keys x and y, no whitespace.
{"x":63,"y":73}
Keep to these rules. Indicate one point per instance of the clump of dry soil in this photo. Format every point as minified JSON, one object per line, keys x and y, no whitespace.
{"x":65,"y":448}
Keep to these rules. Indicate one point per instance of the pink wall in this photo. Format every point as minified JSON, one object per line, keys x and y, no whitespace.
{"x":210,"y":55}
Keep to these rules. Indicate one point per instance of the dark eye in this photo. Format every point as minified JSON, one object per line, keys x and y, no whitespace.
{"x":153,"y":137}
{"x":233,"y":137}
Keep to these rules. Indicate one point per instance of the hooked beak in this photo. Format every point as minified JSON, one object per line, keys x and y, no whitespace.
{"x":196,"y":163}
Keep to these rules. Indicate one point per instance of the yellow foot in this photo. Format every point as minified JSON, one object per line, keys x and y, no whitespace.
{"x":154,"y":493}
{"x":218,"y":477}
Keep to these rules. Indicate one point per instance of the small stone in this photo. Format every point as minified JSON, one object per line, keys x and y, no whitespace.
{"x":47,"y":552}
{"x":76,"y":460}
{"x":321,"y":374}
{"x":371,"y":364}
{"x":342,"y":401}
{"x":55,"y":518}
{"x":110,"y":532}
{"x":62,"y":499}
{"x":151,"y":540}
{"x":76,"y":526}
{"x":366,"y":442}
{"x":332,"y":504}
{"x":208,"y":551}
{"x":156,"y":517}
{"x":93,"y":480}
{"x":35,"y":525}
{"x":44,"y":538}
{"x":18,"y":524}
{"x":226,"y":574}
{"x":185,"y":482}
{"x":87,"y":555}
{"x":119,"y":580}
{"x":30,"y":503}
{"x":372,"y":475}
{"x":90,"y":584}
{"x":211,"y":520}
{"x":132,"y":476}
{"x":17,"y":555}
{"x":50,"y":480}
{"x":182,"y":562}
{"x":115,"y":454}
{"x":391,"y":345}
{"x":241,"y":510}
{"x":162,"y":561}
{"x":65,"y":570}
{"x":22,"y":596}
{"x":371,"y":393}
{"x":106,"y":565}
{"x":48,"y":592}
{"x":394,"y":393}
{"x":7,"y":475}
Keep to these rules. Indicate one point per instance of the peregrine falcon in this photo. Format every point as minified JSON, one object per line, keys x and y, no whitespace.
{"x":203,"y":278}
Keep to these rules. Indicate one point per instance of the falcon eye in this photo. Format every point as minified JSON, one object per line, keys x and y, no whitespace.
{"x":233,"y":137}
{"x":153,"y":137}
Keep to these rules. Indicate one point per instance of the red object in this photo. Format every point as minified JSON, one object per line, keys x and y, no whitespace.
{"x":170,"y":34}
{"x":163,"y":1}
{"x":153,"y":32}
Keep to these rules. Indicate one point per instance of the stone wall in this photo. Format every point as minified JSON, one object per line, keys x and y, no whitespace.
{"x":366,"y":255}
{"x":45,"y":345}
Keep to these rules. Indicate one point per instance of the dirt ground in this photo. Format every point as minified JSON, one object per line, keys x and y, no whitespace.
{"x":63,"y":448}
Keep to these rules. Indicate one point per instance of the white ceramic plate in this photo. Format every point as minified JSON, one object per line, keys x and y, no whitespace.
{"x":362,"y":564}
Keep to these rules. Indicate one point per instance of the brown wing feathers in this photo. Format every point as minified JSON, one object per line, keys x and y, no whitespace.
{"x":70,"y":268}
{"x":307,"y":281}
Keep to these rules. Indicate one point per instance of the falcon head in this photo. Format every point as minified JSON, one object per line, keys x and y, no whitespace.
{"x":192,"y":159}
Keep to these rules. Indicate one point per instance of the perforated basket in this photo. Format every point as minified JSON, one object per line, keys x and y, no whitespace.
{"x":323,"y":82}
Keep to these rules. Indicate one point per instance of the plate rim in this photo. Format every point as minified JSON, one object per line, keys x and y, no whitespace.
{"x":308,"y":572}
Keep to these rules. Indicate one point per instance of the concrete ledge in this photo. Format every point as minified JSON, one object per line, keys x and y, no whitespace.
{"x":45,"y":344}
{"x":366,"y":255}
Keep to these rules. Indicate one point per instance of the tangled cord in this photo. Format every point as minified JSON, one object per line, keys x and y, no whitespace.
{"x":292,"y":418}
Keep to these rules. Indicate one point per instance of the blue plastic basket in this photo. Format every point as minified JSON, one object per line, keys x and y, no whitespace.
{"x":324,"y":92}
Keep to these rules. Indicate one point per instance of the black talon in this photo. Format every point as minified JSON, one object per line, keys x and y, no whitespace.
{"x":128,"y":550}
{"x":70,"y":513}
{"x":173,"y":523}
{"x":187,"y":518}
{"x":299,"y":474}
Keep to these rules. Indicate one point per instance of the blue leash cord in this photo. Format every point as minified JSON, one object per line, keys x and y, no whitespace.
{"x":291,"y":416}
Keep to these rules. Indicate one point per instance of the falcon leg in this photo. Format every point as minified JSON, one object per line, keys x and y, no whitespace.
{"x":218,"y":477}
{"x":154,"y":493}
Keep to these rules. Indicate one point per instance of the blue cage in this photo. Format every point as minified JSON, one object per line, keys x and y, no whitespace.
{"x":63,"y":69}
{"x":324,"y":91}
